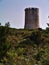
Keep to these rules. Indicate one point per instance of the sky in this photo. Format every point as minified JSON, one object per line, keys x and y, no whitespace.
{"x":13,"y":11}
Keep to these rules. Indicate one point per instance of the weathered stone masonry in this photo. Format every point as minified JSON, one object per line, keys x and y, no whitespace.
{"x":31,"y":18}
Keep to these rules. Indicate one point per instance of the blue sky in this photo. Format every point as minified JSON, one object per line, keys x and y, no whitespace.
{"x":13,"y":11}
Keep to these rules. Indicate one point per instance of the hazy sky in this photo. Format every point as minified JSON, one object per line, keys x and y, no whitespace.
{"x":13,"y":11}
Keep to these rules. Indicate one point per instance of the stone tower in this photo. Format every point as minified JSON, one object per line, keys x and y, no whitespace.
{"x":31,"y":18}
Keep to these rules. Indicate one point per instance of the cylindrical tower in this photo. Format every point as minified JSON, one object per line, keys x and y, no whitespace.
{"x":31,"y":18}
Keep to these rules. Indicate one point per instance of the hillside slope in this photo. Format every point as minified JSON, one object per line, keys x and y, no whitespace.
{"x":24,"y":47}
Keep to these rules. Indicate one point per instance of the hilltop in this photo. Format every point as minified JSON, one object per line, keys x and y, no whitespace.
{"x":24,"y":46}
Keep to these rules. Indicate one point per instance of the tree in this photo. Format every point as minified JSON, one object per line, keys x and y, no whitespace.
{"x":47,"y":28}
{"x":0,"y":24}
{"x":7,"y":24}
{"x":48,"y":24}
{"x":4,"y":45}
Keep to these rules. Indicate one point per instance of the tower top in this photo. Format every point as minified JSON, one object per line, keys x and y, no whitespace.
{"x":26,"y":9}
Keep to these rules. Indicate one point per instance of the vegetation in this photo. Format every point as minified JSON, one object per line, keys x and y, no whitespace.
{"x":24,"y":46}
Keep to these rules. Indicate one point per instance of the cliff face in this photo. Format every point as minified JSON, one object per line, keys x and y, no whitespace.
{"x":31,"y":18}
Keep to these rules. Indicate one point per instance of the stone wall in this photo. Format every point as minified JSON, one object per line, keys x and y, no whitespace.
{"x":31,"y":18}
